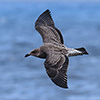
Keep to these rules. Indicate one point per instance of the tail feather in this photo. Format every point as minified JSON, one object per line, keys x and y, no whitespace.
{"x":82,"y":49}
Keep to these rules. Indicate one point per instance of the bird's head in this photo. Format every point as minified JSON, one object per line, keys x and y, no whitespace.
{"x":35,"y":52}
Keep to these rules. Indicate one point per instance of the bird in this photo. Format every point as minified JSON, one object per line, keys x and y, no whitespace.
{"x":53,"y":50}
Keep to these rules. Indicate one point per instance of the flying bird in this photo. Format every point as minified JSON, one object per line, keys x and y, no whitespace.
{"x":54,"y":50}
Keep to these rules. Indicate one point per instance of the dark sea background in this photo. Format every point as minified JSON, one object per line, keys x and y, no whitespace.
{"x":25,"y":78}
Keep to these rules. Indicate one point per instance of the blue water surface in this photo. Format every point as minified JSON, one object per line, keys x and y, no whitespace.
{"x":25,"y":78}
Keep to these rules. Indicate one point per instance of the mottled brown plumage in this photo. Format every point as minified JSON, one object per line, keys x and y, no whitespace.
{"x":53,"y":50}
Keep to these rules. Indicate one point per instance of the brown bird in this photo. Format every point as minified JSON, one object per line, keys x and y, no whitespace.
{"x":54,"y":50}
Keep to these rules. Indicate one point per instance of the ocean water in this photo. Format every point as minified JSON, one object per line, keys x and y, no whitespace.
{"x":25,"y":78}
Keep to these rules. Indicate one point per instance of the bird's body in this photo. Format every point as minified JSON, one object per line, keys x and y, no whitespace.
{"x":54,"y":50}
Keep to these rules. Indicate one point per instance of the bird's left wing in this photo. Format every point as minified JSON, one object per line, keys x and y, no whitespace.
{"x":56,"y":68}
{"x":45,"y":26}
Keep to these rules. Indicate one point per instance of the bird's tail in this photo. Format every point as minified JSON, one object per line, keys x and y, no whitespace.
{"x":83,"y":50}
{"x":76,"y":51}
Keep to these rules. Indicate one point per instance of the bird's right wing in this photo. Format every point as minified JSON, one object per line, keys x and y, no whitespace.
{"x":56,"y":68}
{"x":45,"y":26}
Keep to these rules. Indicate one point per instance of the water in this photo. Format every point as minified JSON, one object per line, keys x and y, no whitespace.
{"x":26,"y":79}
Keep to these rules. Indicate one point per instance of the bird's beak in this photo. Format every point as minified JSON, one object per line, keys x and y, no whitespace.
{"x":27,"y":55}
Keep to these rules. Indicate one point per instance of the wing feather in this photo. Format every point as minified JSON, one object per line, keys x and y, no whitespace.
{"x":57,"y":70}
{"x":45,"y":26}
